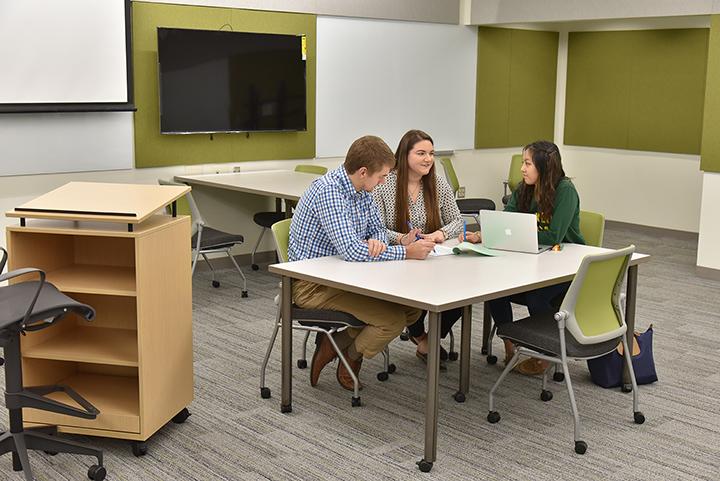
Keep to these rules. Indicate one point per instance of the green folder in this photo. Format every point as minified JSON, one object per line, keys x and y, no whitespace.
{"x":475,"y":248}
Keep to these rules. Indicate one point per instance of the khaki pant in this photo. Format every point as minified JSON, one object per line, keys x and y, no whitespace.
{"x":385,"y":320}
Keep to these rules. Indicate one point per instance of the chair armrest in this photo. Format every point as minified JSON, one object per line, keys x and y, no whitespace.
{"x":22,"y":272}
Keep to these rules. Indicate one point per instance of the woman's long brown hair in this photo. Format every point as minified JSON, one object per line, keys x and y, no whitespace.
{"x":546,"y":157}
{"x":432,"y":208}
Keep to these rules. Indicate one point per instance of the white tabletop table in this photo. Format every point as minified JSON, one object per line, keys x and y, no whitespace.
{"x":436,"y":285}
{"x":281,"y":184}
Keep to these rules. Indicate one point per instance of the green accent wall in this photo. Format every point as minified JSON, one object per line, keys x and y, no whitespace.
{"x":636,"y":90}
{"x":516,"y":80}
{"x":153,"y":149}
{"x":710,"y":151}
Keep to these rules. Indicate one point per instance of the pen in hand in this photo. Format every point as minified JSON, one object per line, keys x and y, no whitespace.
{"x":464,"y":230}
{"x":417,"y":236}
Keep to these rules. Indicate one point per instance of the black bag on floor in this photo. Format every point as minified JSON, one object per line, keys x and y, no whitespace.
{"x":607,"y":370}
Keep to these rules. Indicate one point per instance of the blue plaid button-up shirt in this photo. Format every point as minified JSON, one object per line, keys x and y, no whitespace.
{"x":333,"y":218}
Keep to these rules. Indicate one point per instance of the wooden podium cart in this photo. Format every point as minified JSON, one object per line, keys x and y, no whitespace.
{"x":111,"y":247}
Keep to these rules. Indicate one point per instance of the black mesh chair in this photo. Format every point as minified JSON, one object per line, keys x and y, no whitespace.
{"x":31,"y":306}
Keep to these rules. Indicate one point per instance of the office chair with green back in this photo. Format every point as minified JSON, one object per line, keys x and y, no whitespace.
{"x":589,"y":324}
{"x":514,"y":177}
{"x":207,"y":240}
{"x":25,"y":307}
{"x":592,"y":228}
{"x":267,"y":219}
{"x":320,"y":321}
{"x":468,"y":207}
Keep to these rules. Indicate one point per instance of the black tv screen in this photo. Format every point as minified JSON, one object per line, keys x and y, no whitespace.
{"x":222,"y":81}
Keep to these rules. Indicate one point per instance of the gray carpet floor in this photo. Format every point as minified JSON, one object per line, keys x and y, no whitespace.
{"x":233,"y":434}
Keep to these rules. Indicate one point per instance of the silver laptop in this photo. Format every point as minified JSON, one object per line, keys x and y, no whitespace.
{"x":510,"y":231}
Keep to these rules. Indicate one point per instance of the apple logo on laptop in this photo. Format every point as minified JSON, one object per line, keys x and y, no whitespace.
{"x":508,"y":232}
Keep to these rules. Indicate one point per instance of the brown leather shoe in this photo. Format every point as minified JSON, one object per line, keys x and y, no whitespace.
{"x":324,"y":354}
{"x":343,"y":376}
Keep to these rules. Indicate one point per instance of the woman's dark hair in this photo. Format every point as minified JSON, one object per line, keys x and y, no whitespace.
{"x":546,"y":157}
{"x":432,"y":208}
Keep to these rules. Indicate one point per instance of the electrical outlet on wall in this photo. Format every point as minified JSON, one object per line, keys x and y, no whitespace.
{"x":461,"y":192}
{"x":236,"y":169}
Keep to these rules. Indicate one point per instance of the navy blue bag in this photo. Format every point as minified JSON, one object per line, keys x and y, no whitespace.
{"x":607,"y":370}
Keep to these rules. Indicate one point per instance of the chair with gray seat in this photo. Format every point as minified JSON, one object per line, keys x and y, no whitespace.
{"x":267,"y":219}
{"x":323,"y":322}
{"x":589,"y":324}
{"x":25,"y":307}
{"x":207,"y":240}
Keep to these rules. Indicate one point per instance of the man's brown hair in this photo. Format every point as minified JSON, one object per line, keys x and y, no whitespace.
{"x":371,"y":152}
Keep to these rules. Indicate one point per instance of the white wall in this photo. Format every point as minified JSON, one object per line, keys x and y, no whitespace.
{"x":709,"y":239}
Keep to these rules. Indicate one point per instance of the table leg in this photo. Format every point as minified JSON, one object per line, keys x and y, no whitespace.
{"x":286,"y":345}
{"x":464,"y":355}
{"x":431,"y":398}
{"x":630,"y":299}
{"x":487,"y":322}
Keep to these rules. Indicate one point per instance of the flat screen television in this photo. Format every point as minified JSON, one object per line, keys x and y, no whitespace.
{"x":222,"y":81}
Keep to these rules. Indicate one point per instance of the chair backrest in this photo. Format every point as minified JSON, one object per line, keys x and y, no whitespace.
{"x":450,"y":174}
{"x":592,"y":302}
{"x":188,"y":206}
{"x":281,"y":233}
{"x":592,"y":227}
{"x":514,"y":173}
{"x":311,"y":169}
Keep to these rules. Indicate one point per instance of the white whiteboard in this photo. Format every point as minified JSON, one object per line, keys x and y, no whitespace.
{"x":69,"y":51}
{"x":65,"y":142}
{"x":386,"y":77}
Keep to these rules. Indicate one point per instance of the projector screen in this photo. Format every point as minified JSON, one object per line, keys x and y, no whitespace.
{"x":70,"y":55}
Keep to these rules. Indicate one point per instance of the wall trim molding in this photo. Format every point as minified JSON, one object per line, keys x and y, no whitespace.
{"x":708,"y":273}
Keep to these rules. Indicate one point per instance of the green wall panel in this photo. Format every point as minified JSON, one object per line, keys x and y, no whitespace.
{"x":637,"y":90}
{"x":710,"y":152}
{"x":153,"y":149}
{"x":516,"y":77}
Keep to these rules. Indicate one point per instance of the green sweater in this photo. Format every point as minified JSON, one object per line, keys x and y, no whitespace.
{"x":565,"y":223}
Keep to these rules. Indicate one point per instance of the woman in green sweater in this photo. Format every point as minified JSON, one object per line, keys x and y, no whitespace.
{"x":548,"y":193}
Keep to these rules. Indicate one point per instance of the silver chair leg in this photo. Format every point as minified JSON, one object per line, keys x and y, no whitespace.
{"x":573,"y":405}
{"x":491,"y":359}
{"x":639,"y":417}
{"x":207,"y":261}
{"x":304,"y":348}
{"x":508,"y":368}
{"x":257,"y":244}
{"x":194,"y":261}
{"x":264,"y":391}
{"x":356,"y":382}
{"x":232,"y":259}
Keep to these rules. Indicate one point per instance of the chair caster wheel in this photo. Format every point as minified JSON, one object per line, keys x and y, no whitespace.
{"x":626,"y":388}
{"x":491,"y":359}
{"x":453,"y":356}
{"x":559,"y":376}
{"x":255,"y":267}
{"x":382,"y":376}
{"x":356,"y":402}
{"x":181,"y":417}
{"x":580,"y":447}
{"x":244,"y":294}
{"x":265,"y":392}
{"x":546,"y":395}
{"x":302,"y":363}
{"x":424,"y":466}
{"x":51,"y":453}
{"x":639,"y":417}
{"x":404,"y":336}
{"x":391,"y":368}
{"x":493,"y":417}
{"x":459,"y":397}
{"x":215,"y":284}
{"x":139,"y":448}
{"x":97,"y":473}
